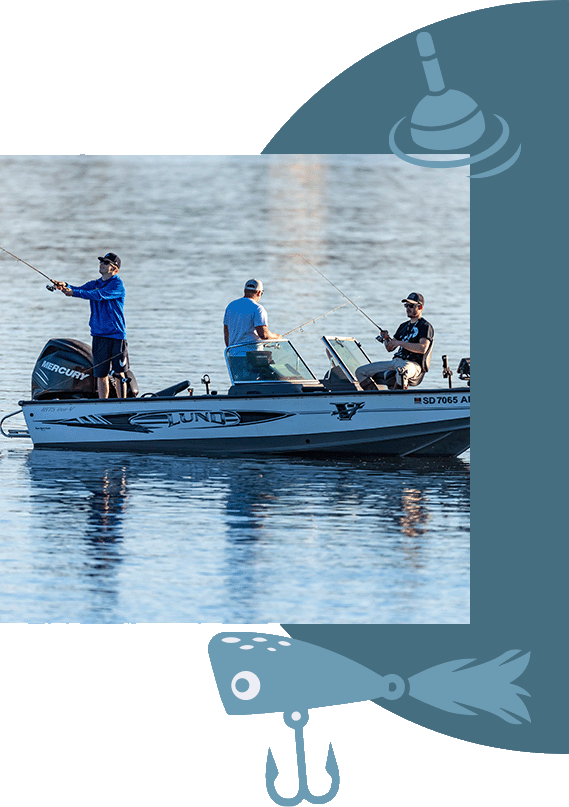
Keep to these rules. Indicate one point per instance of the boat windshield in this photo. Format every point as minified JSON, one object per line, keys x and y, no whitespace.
{"x":266,"y":361}
{"x":346,"y":353}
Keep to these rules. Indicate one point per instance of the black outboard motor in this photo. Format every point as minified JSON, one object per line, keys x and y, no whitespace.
{"x":64,"y":369}
{"x":464,"y":370}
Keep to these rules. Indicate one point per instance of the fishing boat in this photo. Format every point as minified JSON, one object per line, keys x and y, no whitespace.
{"x":275,"y":404}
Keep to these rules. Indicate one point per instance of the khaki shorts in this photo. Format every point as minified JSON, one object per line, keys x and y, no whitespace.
{"x":368,"y":370}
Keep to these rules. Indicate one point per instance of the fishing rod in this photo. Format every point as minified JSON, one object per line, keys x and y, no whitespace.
{"x":297,"y":254}
{"x":314,"y":319}
{"x":31,"y":267}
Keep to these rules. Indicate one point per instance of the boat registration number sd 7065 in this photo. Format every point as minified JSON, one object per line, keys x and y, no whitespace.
{"x":443,"y":399}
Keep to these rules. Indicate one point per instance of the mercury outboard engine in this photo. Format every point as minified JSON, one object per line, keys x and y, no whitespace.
{"x":64,"y":369}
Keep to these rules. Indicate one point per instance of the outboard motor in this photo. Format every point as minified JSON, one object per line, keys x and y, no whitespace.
{"x":464,"y":370}
{"x":64,"y":369}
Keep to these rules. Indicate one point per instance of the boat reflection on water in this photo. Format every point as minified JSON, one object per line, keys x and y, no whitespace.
{"x":82,"y":501}
{"x":173,"y":538}
{"x":414,"y":513}
{"x":107,"y":505}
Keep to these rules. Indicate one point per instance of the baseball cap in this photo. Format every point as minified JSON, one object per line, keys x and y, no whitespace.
{"x":254,"y":285}
{"x":414,"y":298}
{"x":113,"y":258}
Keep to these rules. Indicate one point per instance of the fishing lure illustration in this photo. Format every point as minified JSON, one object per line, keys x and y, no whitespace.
{"x":259,"y":673}
{"x":448,"y":120}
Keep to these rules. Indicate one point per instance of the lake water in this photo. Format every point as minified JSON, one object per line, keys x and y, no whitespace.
{"x":108,"y":538}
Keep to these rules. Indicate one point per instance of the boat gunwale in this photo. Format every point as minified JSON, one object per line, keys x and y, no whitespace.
{"x":254,"y":396}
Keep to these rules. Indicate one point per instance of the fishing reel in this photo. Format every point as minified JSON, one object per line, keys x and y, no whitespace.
{"x":53,"y":288}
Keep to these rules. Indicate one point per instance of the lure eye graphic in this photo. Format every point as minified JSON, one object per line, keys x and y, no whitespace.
{"x":258,"y":673}
{"x":252,"y":688}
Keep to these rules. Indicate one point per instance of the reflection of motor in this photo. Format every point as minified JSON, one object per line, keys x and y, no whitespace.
{"x":64,"y":369}
{"x":464,"y":370}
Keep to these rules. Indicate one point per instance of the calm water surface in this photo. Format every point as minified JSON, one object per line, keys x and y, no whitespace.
{"x":129,"y":538}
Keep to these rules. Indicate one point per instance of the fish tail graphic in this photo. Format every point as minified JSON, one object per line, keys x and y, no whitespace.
{"x":454,"y":686}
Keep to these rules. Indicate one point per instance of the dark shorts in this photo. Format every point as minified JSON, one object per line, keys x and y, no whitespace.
{"x":109,"y":353}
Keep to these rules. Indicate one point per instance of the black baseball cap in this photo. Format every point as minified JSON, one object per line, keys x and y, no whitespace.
{"x":112,"y":258}
{"x":414,"y":298}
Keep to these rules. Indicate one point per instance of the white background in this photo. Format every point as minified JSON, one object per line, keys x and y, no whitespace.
{"x":182,"y":76}
{"x":129,"y":715}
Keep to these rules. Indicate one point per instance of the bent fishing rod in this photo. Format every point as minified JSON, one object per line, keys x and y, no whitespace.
{"x":314,"y":319}
{"x":31,"y":267}
{"x":298,"y":255}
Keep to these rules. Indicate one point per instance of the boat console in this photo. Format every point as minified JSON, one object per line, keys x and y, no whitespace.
{"x":276,"y":368}
{"x":270,"y":361}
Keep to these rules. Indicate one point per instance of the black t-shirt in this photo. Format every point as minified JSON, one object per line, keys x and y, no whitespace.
{"x":414,"y":332}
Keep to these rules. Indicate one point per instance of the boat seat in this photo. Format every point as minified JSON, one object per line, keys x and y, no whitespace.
{"x":388,"y":377}
{"x":337,"y":383}
{"x":336,"y":380}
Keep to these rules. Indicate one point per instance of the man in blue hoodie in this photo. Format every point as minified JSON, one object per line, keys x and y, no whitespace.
{"x":106,"y":298}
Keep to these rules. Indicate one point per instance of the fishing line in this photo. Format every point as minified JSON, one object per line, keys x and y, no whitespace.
{"x":314,"y":319}
{"x":297,"y":254}
{"x":28,"y":264}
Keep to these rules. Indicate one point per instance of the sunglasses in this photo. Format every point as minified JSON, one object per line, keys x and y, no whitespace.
{"x":107,"y":263}
{"x":410,"y":305}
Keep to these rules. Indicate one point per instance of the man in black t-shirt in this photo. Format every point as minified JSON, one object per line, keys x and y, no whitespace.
{"x":414,"y":339}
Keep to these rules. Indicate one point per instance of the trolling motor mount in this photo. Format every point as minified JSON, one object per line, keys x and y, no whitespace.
{"x":447,"y":372}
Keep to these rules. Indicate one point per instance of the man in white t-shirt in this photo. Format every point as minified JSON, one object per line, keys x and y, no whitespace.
{"x":245,"y":320}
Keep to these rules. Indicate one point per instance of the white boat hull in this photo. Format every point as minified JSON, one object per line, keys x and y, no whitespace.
{"x":369,"y":423}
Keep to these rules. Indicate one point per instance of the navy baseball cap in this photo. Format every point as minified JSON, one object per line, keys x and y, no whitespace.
{"x":112,"y":258}
{"x":414,"y":298}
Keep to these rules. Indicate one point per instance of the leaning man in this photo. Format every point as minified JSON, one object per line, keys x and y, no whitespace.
{"x":108,"y":329}
{"x":245,"y":319}
{"x":414,"y":339}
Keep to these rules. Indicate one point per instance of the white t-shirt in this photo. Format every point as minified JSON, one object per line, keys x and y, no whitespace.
{"x":242,"y":316}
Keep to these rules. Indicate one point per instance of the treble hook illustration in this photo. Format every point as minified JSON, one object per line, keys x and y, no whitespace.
{"x":297,"y":721}
{"x":260,"y":673}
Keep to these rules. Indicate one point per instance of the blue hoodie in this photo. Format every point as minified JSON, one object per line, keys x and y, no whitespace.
{"x":106,"y":298}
